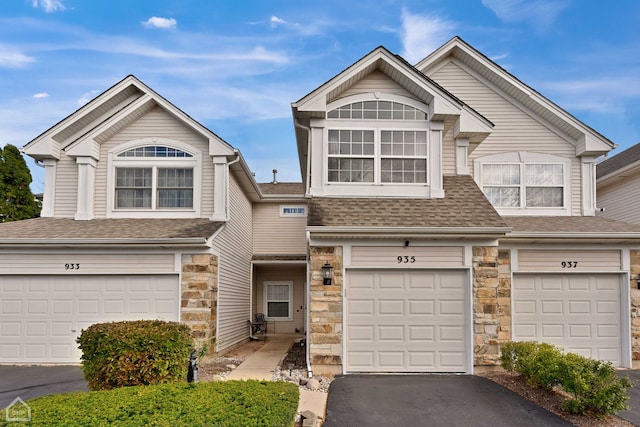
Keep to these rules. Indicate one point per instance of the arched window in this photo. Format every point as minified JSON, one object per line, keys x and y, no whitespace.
{"x":152,"y":175}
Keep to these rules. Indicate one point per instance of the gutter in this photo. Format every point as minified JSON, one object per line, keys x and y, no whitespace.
{"x":410,"y":230}
{"x":39,"y":242}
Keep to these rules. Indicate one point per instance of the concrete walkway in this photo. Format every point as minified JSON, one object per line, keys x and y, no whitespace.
{"x":262,"y":364}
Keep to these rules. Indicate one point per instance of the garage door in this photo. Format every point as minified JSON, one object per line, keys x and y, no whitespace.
{"x":41,"y":316}
{"x":405,"y":321}
{"x":578,"y":312}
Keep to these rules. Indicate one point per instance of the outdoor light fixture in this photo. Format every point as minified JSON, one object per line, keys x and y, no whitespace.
{"x":327,"y":274}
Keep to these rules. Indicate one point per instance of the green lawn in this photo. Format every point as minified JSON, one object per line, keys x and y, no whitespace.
{"x":231,"y":403}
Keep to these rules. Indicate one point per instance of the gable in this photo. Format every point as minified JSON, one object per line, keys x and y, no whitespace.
{"x":586,"y":140}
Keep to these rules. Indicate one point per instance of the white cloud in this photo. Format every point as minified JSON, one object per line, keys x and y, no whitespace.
{"x":540,"y":13}
{"x":12,"y":58}
{"x":157,"y":22}
{"x":49,"y":6}
{"x":422,"y":34}
{"x":275,"y":21}
{"x":86,"y":97}
{"x":603,"y":95}
{"x":40,"y":95}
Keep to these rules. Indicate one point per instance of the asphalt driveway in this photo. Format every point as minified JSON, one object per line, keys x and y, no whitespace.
{"x":430,"y":400}
{"x":633,"y":414}
{"x":28,"y":382}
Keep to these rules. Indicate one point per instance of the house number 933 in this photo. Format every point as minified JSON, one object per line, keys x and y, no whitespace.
{"x":72,"y":266}
{"x":406,"y":259}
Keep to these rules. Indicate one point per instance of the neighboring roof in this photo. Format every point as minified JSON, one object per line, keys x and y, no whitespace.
{"x":570,"y":225}
{"x":50,"y":230}
{"x":463,"y":207}
{"x":284,"y":188}
{"x":587,"y":139}
{"x":619,"y":161}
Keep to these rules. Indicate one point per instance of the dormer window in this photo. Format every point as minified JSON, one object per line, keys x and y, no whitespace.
{"x":155,"y":178}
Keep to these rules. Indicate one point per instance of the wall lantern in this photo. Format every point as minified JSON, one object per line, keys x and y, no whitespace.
{"x":327,"y":274}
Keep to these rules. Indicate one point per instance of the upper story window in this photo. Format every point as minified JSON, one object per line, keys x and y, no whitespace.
{"x":377,"y":110}
{"x":535,"y":182}
{"x":154,"y":178}
{"x":385,"y":143}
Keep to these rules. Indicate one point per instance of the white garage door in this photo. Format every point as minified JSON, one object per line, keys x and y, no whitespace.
{"x":406,"y":321}
{"x":578,"y":312}
{"x":41,"y":316}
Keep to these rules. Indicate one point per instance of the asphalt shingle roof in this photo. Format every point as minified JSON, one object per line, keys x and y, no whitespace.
{"x":620,"y":160}
{"x":464,"y":206}
{"x":569,"y":224}
{"x":288,"y":188}
{"x":108,"y":228}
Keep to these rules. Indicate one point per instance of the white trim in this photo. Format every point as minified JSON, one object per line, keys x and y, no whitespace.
{"x":49,"y":195}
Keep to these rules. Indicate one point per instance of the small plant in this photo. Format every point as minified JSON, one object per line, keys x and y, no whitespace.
{"x":141,"y":352}
{"x":594,"y":385}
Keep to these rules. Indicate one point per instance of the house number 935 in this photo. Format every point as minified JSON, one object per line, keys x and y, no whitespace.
{"x":72,"y":266}
{"x":406,"y":259}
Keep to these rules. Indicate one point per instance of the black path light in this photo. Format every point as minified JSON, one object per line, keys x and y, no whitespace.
{"x":327,"y":274}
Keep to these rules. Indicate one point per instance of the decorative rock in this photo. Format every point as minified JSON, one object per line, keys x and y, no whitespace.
{"x":218,"y":378}
{"x":303,"y":381}
{"x":313,"y":384}
{"x":231,"y":366}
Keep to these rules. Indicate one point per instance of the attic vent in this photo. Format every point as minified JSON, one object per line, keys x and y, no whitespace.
{"x":154,"y":151}
{"x":377,"y":110}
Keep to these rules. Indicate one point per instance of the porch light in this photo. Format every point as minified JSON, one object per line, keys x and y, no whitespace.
{"x":327,"y":274}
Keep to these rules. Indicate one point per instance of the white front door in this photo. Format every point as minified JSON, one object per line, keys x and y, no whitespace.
{"x":41,"y":316}
{"x":406,"y":321}
{"x":580,"y":313}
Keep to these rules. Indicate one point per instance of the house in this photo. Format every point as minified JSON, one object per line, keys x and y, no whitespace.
{"x":445,"y":208}
{"x":618,"y":181}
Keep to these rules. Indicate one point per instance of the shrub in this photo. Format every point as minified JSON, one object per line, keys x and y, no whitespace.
{"x":594,"y":385}
{"x":537,"y":362}
{"x":140,"y":352}
{"x":220,"y":404}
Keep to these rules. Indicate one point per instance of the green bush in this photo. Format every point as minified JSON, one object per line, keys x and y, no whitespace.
{"x":537,"y":362}
{"x":594,"y":385}
{"x":220,"y":404}
{"x":133,"y":353}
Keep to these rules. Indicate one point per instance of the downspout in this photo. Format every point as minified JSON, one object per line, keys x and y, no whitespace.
{"x":308,"y":313}
{"x":308,"y":129}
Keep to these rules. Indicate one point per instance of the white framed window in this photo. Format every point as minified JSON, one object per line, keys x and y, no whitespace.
{"x":522,"y":182}
{"x":278,"y":300}
{"x":154,"y":177}
{"x":293,"y":211}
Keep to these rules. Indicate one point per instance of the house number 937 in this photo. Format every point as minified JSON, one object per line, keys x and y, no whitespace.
{"x":72,"y":266}
{"x":406,"y":259}
{"x":569,"y":264}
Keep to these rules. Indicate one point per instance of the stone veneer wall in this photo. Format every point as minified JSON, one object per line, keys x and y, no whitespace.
{"x":491,"y":303}
{"x":325,"y":311}
{"x":635,"y":304}
{"x":199,"y":296}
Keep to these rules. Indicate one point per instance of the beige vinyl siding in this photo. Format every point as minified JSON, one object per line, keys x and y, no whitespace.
{"x":376,"y":82}
{"x":410,"y":256}
{"x":66,"y":188}
{"x":575,"y":261}
{"x":273,"y":234}
{"x":283,"y":273}
{"x":158,"y":123}
{"x":515,"y":130}
{"x":234,"y":244}
{"x":85,"y":263}
{"x":621,"y":200}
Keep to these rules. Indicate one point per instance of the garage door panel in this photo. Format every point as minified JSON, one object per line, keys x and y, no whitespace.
{"x":577,"y":312}
{"x":44,"y":315}
{"x":421,"y":315}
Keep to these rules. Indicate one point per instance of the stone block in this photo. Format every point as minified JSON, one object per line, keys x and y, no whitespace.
{"x":317,"y":338}
{"x":317,"y":359}
{"x":486,"y":293}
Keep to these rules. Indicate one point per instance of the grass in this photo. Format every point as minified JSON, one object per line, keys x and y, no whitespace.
{"x":220,"y":404}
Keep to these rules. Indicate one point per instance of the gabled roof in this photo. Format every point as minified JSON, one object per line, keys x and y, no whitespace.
{"x":625,"y":161}
{"x":109,"y":231}
{"x":587,"y":140}
{"x":464,"y":210}
{"x":108,"y":113}
{"x":442,"y":104}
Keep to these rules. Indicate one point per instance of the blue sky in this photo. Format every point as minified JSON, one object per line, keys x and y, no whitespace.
{"x":236,"y":66}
